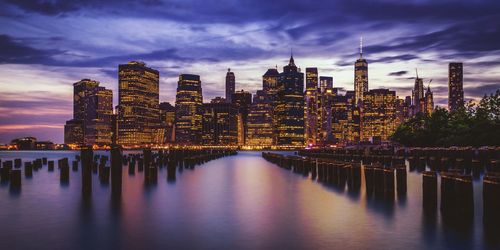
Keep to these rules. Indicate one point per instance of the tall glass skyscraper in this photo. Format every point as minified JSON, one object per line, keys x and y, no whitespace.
{"x":188,"y":110}
{"x":138,"y":104}
{"x":360,"y":77}
{"x":290,"y":106}
{"x":230,"y":85}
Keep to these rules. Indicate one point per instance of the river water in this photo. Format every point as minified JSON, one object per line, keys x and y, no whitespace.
{"x":237,"y":202}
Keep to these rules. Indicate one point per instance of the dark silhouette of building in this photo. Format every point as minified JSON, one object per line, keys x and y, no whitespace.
{"x":455,"y":86}
{"x":230,"y":86}
{"x":188,"y":110}
{"x":138,"y":105}
{"x":219,"y":123}
{"x":360,"y":77}
{"x":25,"y":143}
{"x":73,"y":132}
{"x":290,"y":106}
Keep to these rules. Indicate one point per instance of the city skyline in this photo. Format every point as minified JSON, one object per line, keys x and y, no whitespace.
{"x":51,"y":47}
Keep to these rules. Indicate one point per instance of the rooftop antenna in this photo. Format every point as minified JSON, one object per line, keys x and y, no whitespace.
{"x":416,"y":72}
{"x":361,"y":47}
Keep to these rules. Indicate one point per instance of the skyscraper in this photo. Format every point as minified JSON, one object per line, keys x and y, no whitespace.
{"x":418,"y":94}
{"x":311,"y":106}
{"x":455,"y":86}
{"x":270,"y":85}
{"x":360,"y":77}
{"x":92,"y":115}
{"x":290,"y":106}
{"x":242,"y":101}
{"x":188,"y":110}
{"x":378,"y":120}
{"x":138,"y":104}
{"x":230,"y":85}
{"x":428,"y":101}
{"x":325,"y":82}
{"x":219,"y":123}
{"x":167,"y":119}
{"x":260,"y":121}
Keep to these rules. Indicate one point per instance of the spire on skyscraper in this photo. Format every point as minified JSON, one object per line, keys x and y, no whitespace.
{"x":292,"y":62}
{"x":361,"y":47}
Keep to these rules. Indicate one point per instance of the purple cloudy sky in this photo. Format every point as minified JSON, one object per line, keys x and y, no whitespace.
{"x":45,"y":46}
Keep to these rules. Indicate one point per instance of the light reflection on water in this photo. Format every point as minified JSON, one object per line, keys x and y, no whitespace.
{"x":235,"y":202}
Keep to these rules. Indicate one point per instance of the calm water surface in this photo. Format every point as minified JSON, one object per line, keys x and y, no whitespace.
{"x":237,"y":202}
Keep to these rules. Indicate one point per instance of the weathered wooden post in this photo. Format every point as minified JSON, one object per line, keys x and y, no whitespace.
{"x":15,"y":178}
{"x":28,"y":169}
{"x":87,"y":156}
{"x":401,"y":180}
{"x":64,"y":174}
{"x":116,"y":170}
{"x":429,"y":186}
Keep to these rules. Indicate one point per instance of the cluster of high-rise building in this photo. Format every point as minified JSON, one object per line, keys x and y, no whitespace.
{"x":282,"y":113}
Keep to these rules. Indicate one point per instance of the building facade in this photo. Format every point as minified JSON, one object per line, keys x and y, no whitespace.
{"x":455,"y":86}
{"x":260,"y":120}
{"x":219,"y":125}
{"x":290,"y":106}
{"x":167,"y":119}
{"x":242,"y":101}
{"x":378,"y":120}
{"x":311,"y":102}
{"x":138,"y":113}
{"x":230,"y":85}
{"x":360,"y":78}
{"x":92,"y":115}
{"x":188,"y":110}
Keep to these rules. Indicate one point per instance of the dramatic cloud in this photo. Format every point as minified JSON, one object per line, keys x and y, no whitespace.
{"x":46,"y":45}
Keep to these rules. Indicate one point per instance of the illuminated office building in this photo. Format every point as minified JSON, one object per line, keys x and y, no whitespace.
{"x":325,"y":82}
{"x":428,"y":106}
{"x":455,"y":86}
{"x":290,"y":106}
{"x":360,"y":77}
{"x":219,"y":123}
{"x":167,"y":120}
{"x":138,"y":105}
{"x":230,"y":85}
{"x":188,"y":110}
{"x":242,"y":101}
{"x":378,"y":120}
{"x":325,"y":115}
{"x":260,"y":121}
{"x":340,"y":119}
{"x":311,"y":106}
{"x":92,"y":115}
{"x":270,"y":85}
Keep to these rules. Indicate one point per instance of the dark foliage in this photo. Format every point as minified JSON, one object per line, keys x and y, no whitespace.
{"x":474,"y":125}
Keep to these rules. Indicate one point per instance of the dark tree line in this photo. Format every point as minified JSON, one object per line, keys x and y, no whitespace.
{"x":475,"y":125}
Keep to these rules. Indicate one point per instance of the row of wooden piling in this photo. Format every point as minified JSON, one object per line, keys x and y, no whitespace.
{"x":442,"y":159}
{"x":91,"y":163}
{"x":379,"y":180}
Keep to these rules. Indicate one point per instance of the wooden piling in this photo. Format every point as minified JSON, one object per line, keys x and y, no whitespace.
{"x":429,"y":187}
